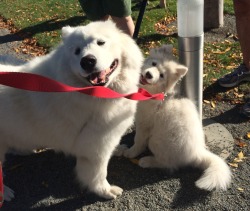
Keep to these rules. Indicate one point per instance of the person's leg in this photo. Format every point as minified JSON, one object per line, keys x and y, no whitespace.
{"x":120,"y":11}
{"x":126,"y":24}
{"x":242,"y":73}
{"x":242,"y":15}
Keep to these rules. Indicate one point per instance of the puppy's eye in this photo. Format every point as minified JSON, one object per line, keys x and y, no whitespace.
{"x":154,"y":64}
{"x":100,"y":42}
{"x":77,"y":51}
{"x":161,"y":75}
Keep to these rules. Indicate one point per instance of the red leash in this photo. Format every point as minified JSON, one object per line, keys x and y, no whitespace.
{"x":38,"y":83}
{"x":1,"y":186}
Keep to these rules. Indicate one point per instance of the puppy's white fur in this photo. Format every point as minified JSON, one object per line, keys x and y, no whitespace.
{"x":172,"y":129}
{"x":87,"y":127}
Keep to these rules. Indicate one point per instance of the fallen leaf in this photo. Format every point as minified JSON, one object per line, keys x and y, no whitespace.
{"x":235,"y":165}
{"x":248,"y":135}
{"x":237,"y":160}
{"x":240,"y":143}
{"x":206,"y":101}
{"x":135,"y":161}
{"x":213,"y":104}
{"x":214,"y":79}
{"x":241,"y":155}
{"x":240,"y":189}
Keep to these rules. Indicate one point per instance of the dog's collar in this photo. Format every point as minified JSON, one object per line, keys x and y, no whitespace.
{"x":168,"y":96}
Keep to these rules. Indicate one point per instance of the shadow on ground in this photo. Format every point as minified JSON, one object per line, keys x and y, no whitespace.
{"x":49,"y":176}
{"x":46,"y":26}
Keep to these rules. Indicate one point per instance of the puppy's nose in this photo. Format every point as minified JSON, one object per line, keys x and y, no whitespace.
{"x":148,"y":75}
{"x":88,"y":62}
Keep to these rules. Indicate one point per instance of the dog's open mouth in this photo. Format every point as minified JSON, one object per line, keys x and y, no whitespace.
{"x":102,"y":77}
{"x":143,"y":81}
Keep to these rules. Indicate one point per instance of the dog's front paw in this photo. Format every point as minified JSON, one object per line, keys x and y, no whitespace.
{"x":148,"y":162}
{"x":109,"y":193}
{"x":8,"y":194}
{"x":130,"y":153}
{"x":119,"y":150}
{"x":105,"y":190}
{"x":115,"y":191}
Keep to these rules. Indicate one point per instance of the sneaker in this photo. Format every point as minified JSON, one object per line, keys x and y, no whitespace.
{"x":232,"y":79}
{"x":246,"y":109}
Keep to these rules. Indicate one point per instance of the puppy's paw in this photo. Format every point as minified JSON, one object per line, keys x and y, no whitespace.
{"x":116,"y":191}
{"x":147,"y":162}
{"x":110,"y":193}
{"x":131,"y":152}
{"x":8,"y":194}
{"x":105,"y":190}
{"x":119,"y":150}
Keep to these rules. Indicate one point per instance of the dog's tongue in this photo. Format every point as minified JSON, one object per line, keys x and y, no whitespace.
{"x":99,"y":77}
{"x":143,"y":81}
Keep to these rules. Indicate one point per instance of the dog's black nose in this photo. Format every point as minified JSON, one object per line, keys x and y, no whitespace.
{"x":148,"y":75}
{"x":88,"y":62}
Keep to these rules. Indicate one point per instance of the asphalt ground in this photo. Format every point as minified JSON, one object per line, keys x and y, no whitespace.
{"x":46,"y":180}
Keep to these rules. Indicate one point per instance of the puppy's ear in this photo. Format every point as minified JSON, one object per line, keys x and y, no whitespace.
{"x":181,"y":70}
{"x":166,"y":49}
{"x":66,"y":31}
{"x":176,"y":71}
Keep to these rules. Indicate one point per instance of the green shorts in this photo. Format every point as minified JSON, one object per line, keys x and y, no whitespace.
{"x":97,"y":9}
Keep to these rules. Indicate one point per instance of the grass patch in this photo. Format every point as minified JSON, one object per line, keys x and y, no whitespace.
{"x":43,"y":19}
{"x":228,"y":7}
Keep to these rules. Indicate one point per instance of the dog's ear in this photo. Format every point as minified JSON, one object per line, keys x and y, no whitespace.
{"x":175,"y":72}
{"x":164,"y":51}
{"x":131,"y":53}
{"x":66,"y":31}
{"x":181,"y":70}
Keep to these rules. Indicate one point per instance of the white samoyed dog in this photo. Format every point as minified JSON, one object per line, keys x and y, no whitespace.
{"x":86,"y":127}
{"x":172,"y":129}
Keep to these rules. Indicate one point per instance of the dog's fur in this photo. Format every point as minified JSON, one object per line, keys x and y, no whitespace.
{"x":84,"y":126}
{"x":172,"y":129}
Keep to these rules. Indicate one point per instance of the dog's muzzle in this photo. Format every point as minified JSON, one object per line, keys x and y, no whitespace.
{"x":97,"y":77}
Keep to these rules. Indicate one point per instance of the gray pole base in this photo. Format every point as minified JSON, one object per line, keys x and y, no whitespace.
{"x":191,"y":55}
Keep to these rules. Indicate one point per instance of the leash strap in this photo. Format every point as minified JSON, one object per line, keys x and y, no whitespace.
{"x":38,"y":83}
{"x":1,"y":186}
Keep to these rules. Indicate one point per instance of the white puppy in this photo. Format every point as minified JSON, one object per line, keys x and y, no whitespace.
{"x":172,"y":129}
{"x":84,"y":126}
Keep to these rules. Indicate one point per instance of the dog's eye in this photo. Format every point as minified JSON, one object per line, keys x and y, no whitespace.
{"x":161,"y":75}
{"x":154,"y":63}
{"x":100,"y":42}
{"x":77,"y":51}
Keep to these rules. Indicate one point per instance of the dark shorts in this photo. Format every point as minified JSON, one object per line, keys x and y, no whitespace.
{"x":97,"y":9}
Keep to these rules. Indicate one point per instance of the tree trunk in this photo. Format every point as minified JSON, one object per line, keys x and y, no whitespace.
{"x":163,"y":3}
{"x":213,"y":14}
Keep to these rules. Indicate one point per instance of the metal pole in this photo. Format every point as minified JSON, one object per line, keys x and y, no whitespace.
{"x":191,"y":55}
{"x":139,"y":19}
{"x":190,"y":17}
